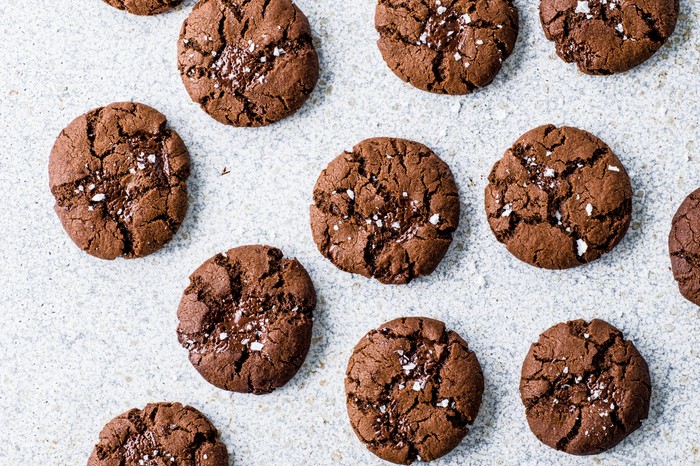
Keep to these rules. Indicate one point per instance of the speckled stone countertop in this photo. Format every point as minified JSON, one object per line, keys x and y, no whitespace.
{"x":83,"y":340}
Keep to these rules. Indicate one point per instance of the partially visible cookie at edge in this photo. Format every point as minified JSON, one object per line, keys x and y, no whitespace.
{"x":159,"y":434}
{"x":412,"y":390}
{"x":608,"y":36}
{"x":247,"y":63}
{"x":118,"y":175}
{"x":446,"y":46}
{"x":144,"y":7}
{"x":558,"y":198}
{"x":246,"y":319}
{"x":386,"y":209}
{"x":585,"y":387}
{"x":684,"y":247}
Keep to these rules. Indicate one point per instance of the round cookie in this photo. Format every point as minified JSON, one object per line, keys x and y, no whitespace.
{"x":159,"y":434}
{"x":386,"y":209}
{"x":608,"y":36}
{"x":247,"y":63}
{"x":446,"y":46}
{"x":412,"y":389}
{"x":585,"y":388}
{"x":246,"y":319}
{"x":118,"y":175}
{"x":144,"y":7}
{"x":684,"y":247}
{"x":558,"y":198}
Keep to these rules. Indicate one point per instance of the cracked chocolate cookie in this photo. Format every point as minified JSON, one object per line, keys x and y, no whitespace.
{"x":412,"y":389}
{"x":387,"y":210}
{"x":144,"y":7}
{"x":684,"y":247}
{"x":246,"y":319}
{"x":585,"y":388}
{"x":608,"y":36}
{"x":558,"y":198}
{"x":118,"y":175}
{"x":446,"y":46}
{"x":247,"y":62}
{"x":160,"y":434}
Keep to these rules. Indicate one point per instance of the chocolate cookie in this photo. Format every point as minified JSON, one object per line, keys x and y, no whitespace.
{"x":118,"y":175}
{"x":684,"y":247}
{"x":246,"y":319}
{"x":158,"y":435}
{"x":558,"y":198}
{"x":412,"y":389}
{"x":385,"y":210}
{"x":144,"y":7}
{"x":446,"y":46}
{"x":247,"y":62}
{"x":608,"y":36}
{"x":585,"y":388}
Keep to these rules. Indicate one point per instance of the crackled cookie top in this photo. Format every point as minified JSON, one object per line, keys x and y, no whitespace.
{"x":247,"y":62}
{"x":446,"y":46}
{"x":558,"y":198}
{"x":585,"y":388}
{"x":118,"y":175}
{"x":386,"y":209}
{"x":608,"y":36}
{"x":412,"y":389}
{"x":684,"y":247}
{"x":160,"y":434}
{"x":246,"y":319}
{"x":144,"y":7}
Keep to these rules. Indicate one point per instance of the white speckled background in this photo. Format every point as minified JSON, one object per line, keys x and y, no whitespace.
{"x":83,"y":340}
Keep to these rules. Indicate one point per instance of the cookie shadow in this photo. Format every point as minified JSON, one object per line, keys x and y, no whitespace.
{"x":481,"y":432}
{"x":313,"y":364}
{"x":521,"y":49}
{"x":459,"y":249}
{"x":632,"y":241}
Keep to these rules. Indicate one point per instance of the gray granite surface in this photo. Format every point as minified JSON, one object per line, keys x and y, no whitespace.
{"x":83,"y":340}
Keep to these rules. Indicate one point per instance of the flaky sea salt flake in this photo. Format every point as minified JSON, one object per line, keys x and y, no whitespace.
{"x":581,"y":247}
{"x":256,"y":346}
{"x":582,"y":7}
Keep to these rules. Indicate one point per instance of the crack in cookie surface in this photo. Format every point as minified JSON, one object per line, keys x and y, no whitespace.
{"x":412,"y":389}
{"x":387,"y":210}
{"x":558,"y":198}
{"x":446,"y":46}
{"x":119,"y":179}
{"x":608,"y":36}
{"x":161,"y":433}
{"x":585,"y":388}
{"x":247,"y":63}
{"x":246,"y":319}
